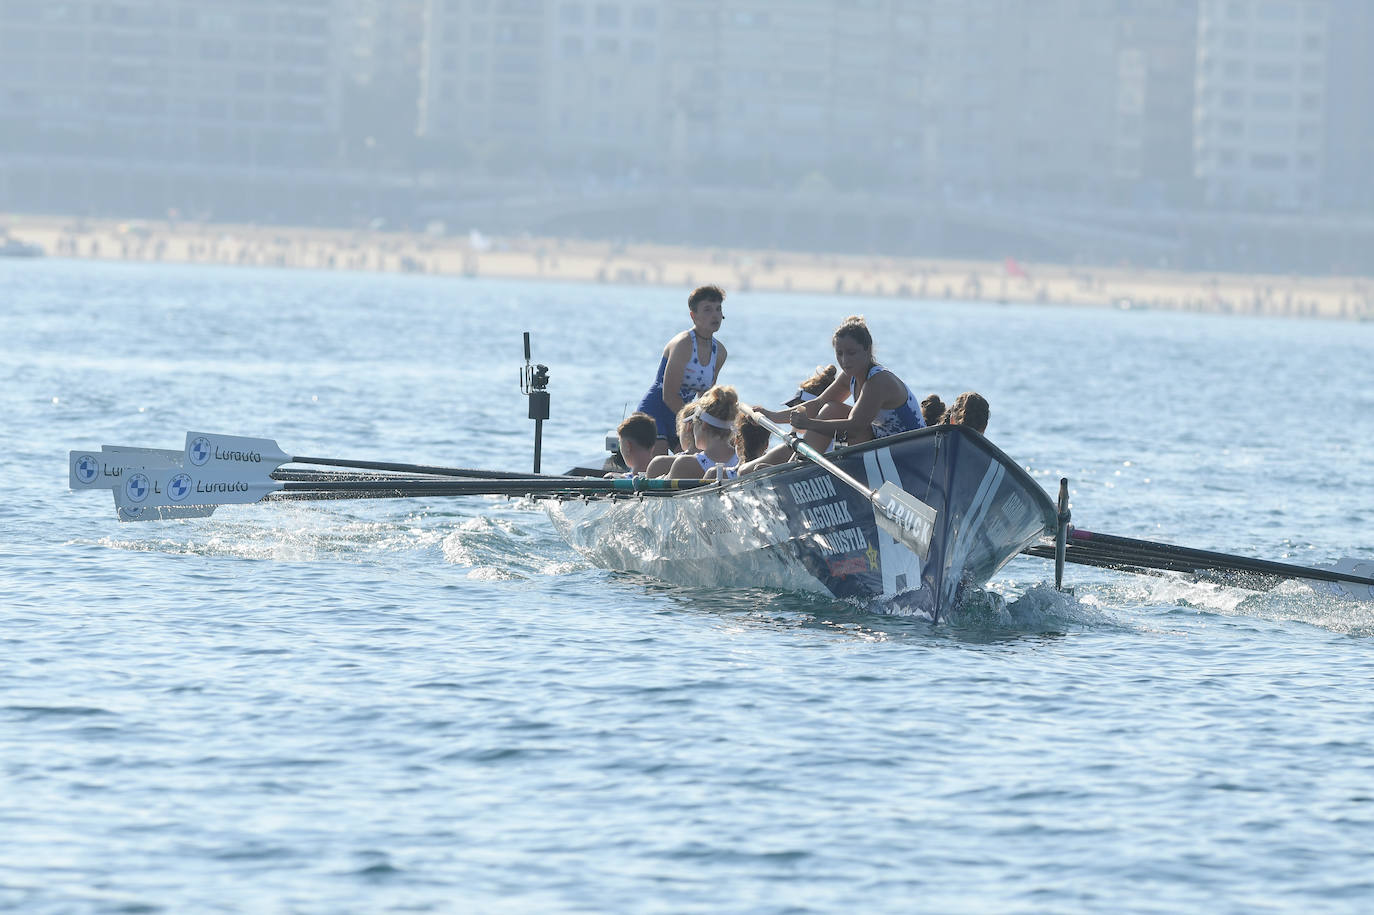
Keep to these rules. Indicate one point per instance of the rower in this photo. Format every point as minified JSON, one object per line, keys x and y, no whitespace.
{"x":637,"y":434}
{"x":883,"y":404}
{"x":687,"y":442}
{"x":714,"y":430}
{"x":691,"y":363}
{"x":970,"y":409}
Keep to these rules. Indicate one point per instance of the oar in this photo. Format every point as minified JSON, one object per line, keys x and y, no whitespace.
{"x":104,"y":469}
{"x":1208,"y":559}
{"x":107,"y":469}
{"x":1348,"y":578}
{"x":905,"y":517}
{"x":149,"y":488}
{"x":250,"y":455}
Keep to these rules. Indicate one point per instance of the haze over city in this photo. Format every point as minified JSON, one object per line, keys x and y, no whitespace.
{"x":1192,"y":134}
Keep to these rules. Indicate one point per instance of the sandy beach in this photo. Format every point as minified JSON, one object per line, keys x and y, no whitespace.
{"x":570,"y":260}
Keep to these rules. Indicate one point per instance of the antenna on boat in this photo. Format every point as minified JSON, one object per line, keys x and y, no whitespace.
{"x":534,"y":383}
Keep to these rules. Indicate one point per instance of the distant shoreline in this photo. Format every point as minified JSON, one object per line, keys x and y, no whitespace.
{"x":571,"y":260}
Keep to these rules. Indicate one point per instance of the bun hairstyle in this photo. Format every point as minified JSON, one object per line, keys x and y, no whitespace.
{"x":721,"y":401}
{"x":856,"y":328}
{"x":970,"y":409}
{"x":932,"y":409}
{"x":750,"y":439}
{"x":818,"y":382}
{"x":719,"y":408}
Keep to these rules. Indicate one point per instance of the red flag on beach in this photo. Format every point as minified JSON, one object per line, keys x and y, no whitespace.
{"x":1014,"y":269}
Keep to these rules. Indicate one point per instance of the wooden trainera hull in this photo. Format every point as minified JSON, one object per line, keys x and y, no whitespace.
{"x":797,"y":527}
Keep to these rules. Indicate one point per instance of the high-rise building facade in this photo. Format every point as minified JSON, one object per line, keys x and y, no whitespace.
{"x":171,"y":80}
{"x":162,"y":100}
{"x":1349,"y":135}
{"x":1261,"y":102}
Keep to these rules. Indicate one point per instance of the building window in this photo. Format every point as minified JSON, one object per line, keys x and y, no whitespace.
{"x":641,"y":52}
{"x":607,"y":15}
{"x":644,"y":17}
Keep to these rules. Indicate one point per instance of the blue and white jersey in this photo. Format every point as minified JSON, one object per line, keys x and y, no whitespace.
{"x":696,"y":380}
{"x":697,"y":376}
{"x":891,"y":422}
{"x":728,"y":469}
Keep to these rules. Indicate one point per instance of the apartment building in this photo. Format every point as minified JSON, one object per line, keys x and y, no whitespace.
{"x":1349,"y":134}
{"x":110,"y":103}
{"x":187,"y":81}
{"x":1260,"y":119}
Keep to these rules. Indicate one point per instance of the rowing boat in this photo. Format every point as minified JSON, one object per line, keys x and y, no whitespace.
{"x":907,"y":523}
{"x":794,"y":527}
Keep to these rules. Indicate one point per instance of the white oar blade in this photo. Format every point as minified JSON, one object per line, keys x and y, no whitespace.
{"x":175,"y":486}
{"x":1346,"y":590}
{"x":93,"y":470}
{"x":108,"y":467}
{"x":909,"y":520}
{"x":232,"y":455}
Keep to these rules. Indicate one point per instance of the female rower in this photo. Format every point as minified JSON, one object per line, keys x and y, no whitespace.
{"x":714,"y":428}
{"x":687,"y":441}
{"x":750,"y":439}
{"x":970,"y":409}
{"x":882,"y":403}
{"x":932,"y":409}
{"x":812,"y":387}
{"x":685,"y":372}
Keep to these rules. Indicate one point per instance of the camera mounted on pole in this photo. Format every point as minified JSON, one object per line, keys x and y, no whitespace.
{"x":534,"y":383}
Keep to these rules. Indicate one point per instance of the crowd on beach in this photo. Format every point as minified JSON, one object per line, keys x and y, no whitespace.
{"x":1007,"y":281}
{"x":690,"y":427}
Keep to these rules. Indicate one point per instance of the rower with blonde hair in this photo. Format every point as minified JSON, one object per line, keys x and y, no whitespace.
{"x":713,"y":427}
{"x":662,"y":464}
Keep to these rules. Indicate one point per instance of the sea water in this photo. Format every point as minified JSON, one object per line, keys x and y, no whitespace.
{"x":436,"y":706}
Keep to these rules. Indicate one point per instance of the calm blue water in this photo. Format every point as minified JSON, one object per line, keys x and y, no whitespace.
{"x":436,"y":706}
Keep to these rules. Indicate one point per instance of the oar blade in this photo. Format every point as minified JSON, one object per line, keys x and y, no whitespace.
{"x":1346,"y":589}
{"x":92,"y":470}
{"x":174,"y":486}
{"x":232,"y":455}
{"x":906,"y":518}
{"x":108,"y":467}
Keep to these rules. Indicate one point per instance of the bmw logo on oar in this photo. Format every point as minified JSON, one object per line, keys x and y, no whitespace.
{"x":137,"y":488}
{"x":180,"y":487}
{"x":200,"y":451}
{"x":87,"y":468}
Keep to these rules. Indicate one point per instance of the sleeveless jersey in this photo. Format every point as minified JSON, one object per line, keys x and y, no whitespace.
{"x":890,"y":422}
{"x":696,"y":380}
{"x":729,"y":469}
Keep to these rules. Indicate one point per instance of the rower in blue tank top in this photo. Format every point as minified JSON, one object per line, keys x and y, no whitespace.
{"x":686,"y":371}
{"x":883,"y":405}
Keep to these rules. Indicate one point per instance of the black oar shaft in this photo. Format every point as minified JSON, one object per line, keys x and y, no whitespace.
{"x":1128,"y":547}
{"x":413,"y":468}
{"x":491,"y":487}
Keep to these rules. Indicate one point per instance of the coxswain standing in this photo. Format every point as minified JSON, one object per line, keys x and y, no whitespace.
{"x":691,"y":363}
